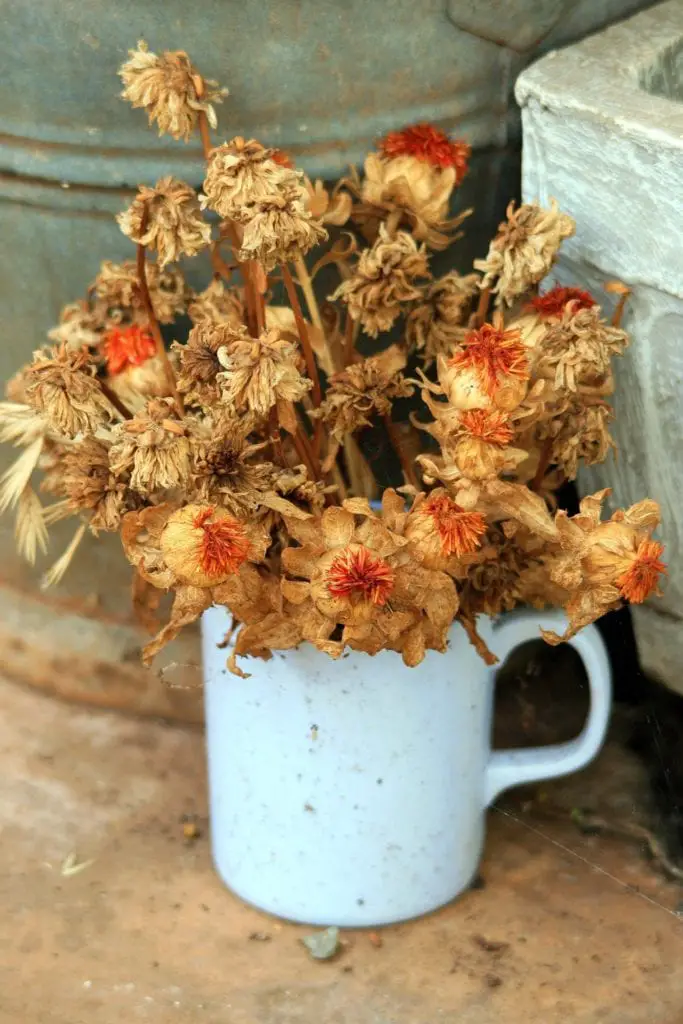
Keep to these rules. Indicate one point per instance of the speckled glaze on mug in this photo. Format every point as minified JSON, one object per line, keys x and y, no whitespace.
{"x":354,"y":792}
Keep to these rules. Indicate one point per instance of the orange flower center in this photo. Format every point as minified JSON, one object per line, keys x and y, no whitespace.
{"x":492,"y":354}
{"x":492,"y":427}
{"x":280,"y":157}
{"x":640,"y":579}
{"x":460,"y":531}
{"x":224,"y":545}
{"x":553,"y":302}
{"x":427,"y":143}
{"x":359,"y":573}
{"x":127,"y":346}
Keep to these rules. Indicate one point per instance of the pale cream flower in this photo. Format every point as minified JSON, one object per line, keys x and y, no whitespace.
{"x":166,"y":218}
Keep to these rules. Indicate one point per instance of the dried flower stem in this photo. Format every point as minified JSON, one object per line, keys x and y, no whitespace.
{"x":302,"y":329}
{"x":479,"y":316}
{"x":543,"y":463}
{"x":349,"y":339}
{"x":112,"y":397}
{"x":619,"y":310}
{"x":204,"y":134}
{"x":155,"y":329}
{"x":406,"y":463}
{"x":304,"y":279}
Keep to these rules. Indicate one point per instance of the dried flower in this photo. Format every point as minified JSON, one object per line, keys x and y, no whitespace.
{"x":79,"y":326}
{"x":83,"y":477}
{"x":127,"y":346}
{"x":489,"y":367}
{"x":225,"y":471}
{"x":509,"y":571}
{"x":199,"y":362}
{"x":553,"y":303}
{"x":153,"y":449}
{"x":524,"y":249}
{"x":203,"y":545}
{"x":576,"y":352}
{"x":260,"y":374}
{"x":334,"y":208}
{"x":118,"y":296}
{"x":384,"y":279}
{"x":241,"y":174}
{"x":441,"y":530}
{"x":60,"y":384}
{"x":218,"y":304}
{"x":429,"y":145}
{"x":364,"y":389}
{"x":361,"y":573}
{"x":436,"y":325}
{"x":166,"y":218}
{"x":170,"y":89}
{"x":281,"y":228}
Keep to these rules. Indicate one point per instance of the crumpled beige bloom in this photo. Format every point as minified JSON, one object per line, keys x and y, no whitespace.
{"x":152,"y":450}
{"x":601,"y":564}
{"x":199,"y":364}
{"x":281,"y":228}
{"x":227,"y":470}
{"x":260,"y":374}
{"x":510,"y":571}
{"x":364,"y":389}
{"x":476,"y":443}
{"x":384,"y":280}
{"x":83,"y":478}
{"x":60,"y":384}
{"x":363,"y":575}
{"x":117,"y":294}
{"x":240,"y":174}
{"x":79,"y":326}
{"x":166,"y":218}
{"x":524,"y":249}
{"x":437,"y":324}
{"x":578,"y":431}
{"x":576,"y":352}
{"x":217,"y":304}
{"x":170,"y":89}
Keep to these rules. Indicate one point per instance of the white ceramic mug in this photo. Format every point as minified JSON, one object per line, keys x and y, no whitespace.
{"x":354,"y":792}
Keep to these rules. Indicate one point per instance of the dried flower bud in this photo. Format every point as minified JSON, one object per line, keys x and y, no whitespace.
{"x":364,"y":389}
{"x":127,"y":346}
{"x":281,"y":228}
{"x":436,"y":325}
{"x":136,"y":371}
{"x":218,"y":305}
{"x":259,"y":374}
{"x":152,"y":448}
{"x":203,"y":545}
{"x":384,"y":279}
{"x":79,"y":326}
{"x":577,"y":350}
{"x":166,"y":218}
{"x":61,"y":385}
{"x":118,"y":296}
{"x":428,"y":145}
{"x":490,"y":367}
{"x":241,"y":174}
{"x":523,"y":251}
{"x":441,"y":530}
{"x":170,"y":89}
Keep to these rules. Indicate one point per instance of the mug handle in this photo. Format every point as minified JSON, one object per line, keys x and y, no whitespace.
{"x":508,"y":768}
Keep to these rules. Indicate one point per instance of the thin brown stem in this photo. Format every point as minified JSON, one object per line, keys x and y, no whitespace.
{"x":112,"y":397}
{"x":155,"y":329}
{"x":406,"y":463}
{"x":479,"y":316}
{"x":303,"y":334}
{"x":543,"y":463}
{"x":349,"y":339}
{"x":204,"y":134}
{"x":619,"y":310}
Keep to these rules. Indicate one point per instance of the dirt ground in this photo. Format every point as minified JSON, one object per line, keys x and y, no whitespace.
{"x":111,"y":913}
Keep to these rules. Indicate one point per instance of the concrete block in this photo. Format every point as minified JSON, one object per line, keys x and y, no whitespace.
{"x":603,"y":133}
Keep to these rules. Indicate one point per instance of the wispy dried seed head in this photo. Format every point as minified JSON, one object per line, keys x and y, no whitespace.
{"x":167,"y":219}
{"x":170,"y":89}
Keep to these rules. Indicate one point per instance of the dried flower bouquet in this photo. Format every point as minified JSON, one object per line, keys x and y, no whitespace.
{"x":231,"y":462}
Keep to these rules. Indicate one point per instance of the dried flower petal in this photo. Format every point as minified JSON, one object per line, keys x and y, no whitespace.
{"x":118,"y":296}
{"x":494,"y":355}
{"x":364,"y":389}
{"x":429,"y":145}
{"x":60,"y":384}
{"x":259,"y":373}
{"x":241,"y":174}
{"x":359,"y":575}
{"x":127,"y":346}
{"x":153,"y":449}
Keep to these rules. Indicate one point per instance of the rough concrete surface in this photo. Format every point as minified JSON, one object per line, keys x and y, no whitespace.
{"x":603,"y":134}
{"x":145,"y":931}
